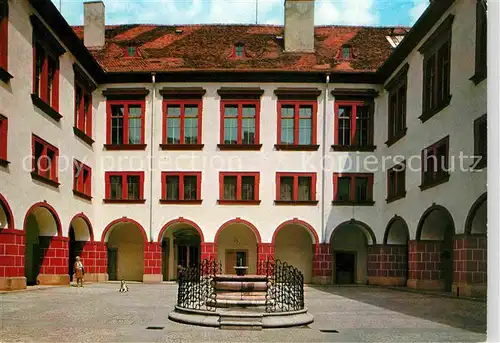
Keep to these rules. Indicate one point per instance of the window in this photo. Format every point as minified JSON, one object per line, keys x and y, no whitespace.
{"x":239,"y":122}
{"x":239,"y":50}
{"x":45,"y":161}
{"x":3,"y":141}
{"x":180,"y":187}
{"x":396,"y":182}
{"x":353,"y":189}
{"x":46,"y":78}
{"x":125,"y":123}
{"x":239,"y":187}
{"x":297,"y":123}
{"x":397,"y":106}
{"x":124,"y":187}
{"x":182,"y":122}
{"x":131,"y":51}
{"x":83,"y":110}
{"x":346,"y":52}
{"x":82,"y":180}
{"x":435,"y":164}
{"x":480,"y":142}
{"x":481,"y":41}
{"x":296,"y":188}
{"x":4,"y":35}
{"x":437,"y":61}
{"x":354,"y":126}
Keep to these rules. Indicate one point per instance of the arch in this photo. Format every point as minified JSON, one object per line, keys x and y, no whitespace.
{"x":394,"y":220}
{"x":370,"y":236}
{"x":472,"y":212}
{"x":426,"y":214}
{"x":51,"y":210}
{"x":123,"y":220}
{"x":82,"y":216}
{"x":239,"y":221}
{"x":8,"y":212}
{"x":179,"y":221}
{"x":296,"y":221}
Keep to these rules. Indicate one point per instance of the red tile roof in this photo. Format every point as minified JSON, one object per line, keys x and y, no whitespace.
{"x":210,"y":47}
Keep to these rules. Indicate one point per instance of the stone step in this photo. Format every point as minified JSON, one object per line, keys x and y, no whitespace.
{"x":224,"y":303}
{"x":240,"y":321}
{"x":240,"y":297}
{"x":245,"y":278}
{"x":240,"y":286}
{"x":241,"y":294}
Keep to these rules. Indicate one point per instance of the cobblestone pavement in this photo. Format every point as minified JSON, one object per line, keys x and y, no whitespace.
{"x":98,"y":313}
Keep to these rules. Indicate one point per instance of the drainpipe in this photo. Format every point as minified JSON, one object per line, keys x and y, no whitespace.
{"x":153,"y":98}
{"x":323,"y":159}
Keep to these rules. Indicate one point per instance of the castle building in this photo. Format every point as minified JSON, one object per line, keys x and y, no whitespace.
{"x":356,"y":154}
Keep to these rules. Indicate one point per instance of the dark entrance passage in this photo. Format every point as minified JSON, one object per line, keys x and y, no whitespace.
{"x":345,"y":264}
{"x":112,"y":263}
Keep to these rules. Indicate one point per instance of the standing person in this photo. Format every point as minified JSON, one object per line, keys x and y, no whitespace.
{"x":79,"y":271}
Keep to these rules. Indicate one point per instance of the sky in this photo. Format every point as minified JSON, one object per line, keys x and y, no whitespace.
{"x":327,"y":12}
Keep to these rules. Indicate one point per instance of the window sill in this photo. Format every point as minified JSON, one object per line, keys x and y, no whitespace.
{"x":4,"y":75}
{"x":125,"y":146}
{"x":225,"y":147}
{"x":180,"y":202}
{"x":124,"y":201}
{"x":396,"y":137}
{"x":367,"y":148}
{"x":181,"y":146}
{"x":82,"y":195}
{"x":4,"y":163}
{"x":478,"y":77}
{"x":45,"y":180}
{"x":83,"y":136}
{"x":432,"y":112}
{"x":353,"y":203}
{"x":395,"y":197}
{"x":296,"y":147}
{"x":238,"y":202}
{"x":46,"y":108}
{"x":434,"y":183}
{"x":296,"y":202}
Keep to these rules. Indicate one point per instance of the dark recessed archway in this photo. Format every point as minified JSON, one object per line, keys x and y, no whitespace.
{"x":477,"y":217}
{"x":396,"y":232}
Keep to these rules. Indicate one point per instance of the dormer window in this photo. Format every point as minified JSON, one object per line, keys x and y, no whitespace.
{"x":131,"y":51}
{"x":239,"y":50}
{"x":346,"y":52}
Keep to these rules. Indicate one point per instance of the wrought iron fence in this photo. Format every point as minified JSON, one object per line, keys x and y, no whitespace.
{"x":197,"y":286}
{"x":285,"y":286}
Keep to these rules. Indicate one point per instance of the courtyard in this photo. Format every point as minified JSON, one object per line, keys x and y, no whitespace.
{"x":99,"y":313}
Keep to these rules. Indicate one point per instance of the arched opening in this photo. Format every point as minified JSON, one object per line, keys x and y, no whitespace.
{"x":237,"y":242}
{"x":396,"y":232}
{"x":294,"y":243}
{"x":349,"y":246}
{"x":181,"y":246}
{"x":80,"y":232}
{"x":125,"y":239}
{"x":437,"y":225}
{"x":41,"y":225}
{"x":476,"y":221}
{"x":6,"y":218}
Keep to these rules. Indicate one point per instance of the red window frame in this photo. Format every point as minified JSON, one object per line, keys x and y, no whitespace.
{"x":43,"y":173}
{"x":124,"y":197}
{"x":396,"y":182}
{"x":354,"y":104}
{"x":240,"y":104}
{"x":4,"y":35}
{"x":181,"y":176}
{"x":42,"y":85}
{"x":239,"y":176}
{"x":236,"y":46}
{"x":182,"y":103}
{"x":3,"y":138}
{"x":435,"y":176}
{"x":82,"y":186}
{"x":83,"y":109}
{"x":352,"y":193}
{"x":125,"y":104}
{"x":296,"y":188}
{"x":297,"y":104}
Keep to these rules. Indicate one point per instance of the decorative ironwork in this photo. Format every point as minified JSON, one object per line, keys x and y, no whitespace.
{"x":285,"y":286}
{"x":197,"y":286}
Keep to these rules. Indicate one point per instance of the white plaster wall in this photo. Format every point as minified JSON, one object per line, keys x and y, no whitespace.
{"x":468,"y":102}
{"x":16,"y":184}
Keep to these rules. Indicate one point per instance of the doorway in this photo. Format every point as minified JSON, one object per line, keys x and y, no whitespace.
{"x":345,"y":268}
{"x":112,"y":263}
{"x":235,"y":258}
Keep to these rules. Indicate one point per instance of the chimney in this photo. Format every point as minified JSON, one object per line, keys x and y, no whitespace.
{"x":93,"y":34}
{"x":299,"y":25}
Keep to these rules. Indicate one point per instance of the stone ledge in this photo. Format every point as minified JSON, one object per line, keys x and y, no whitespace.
{"x":426,"y":285}
{"x":152,"y":278}
{"x":12,"y":283}
{"x":387,"y":280}
{"x":53,"y":280}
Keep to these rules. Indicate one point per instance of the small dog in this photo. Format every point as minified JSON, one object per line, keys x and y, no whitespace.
{"x":123,"y":287}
